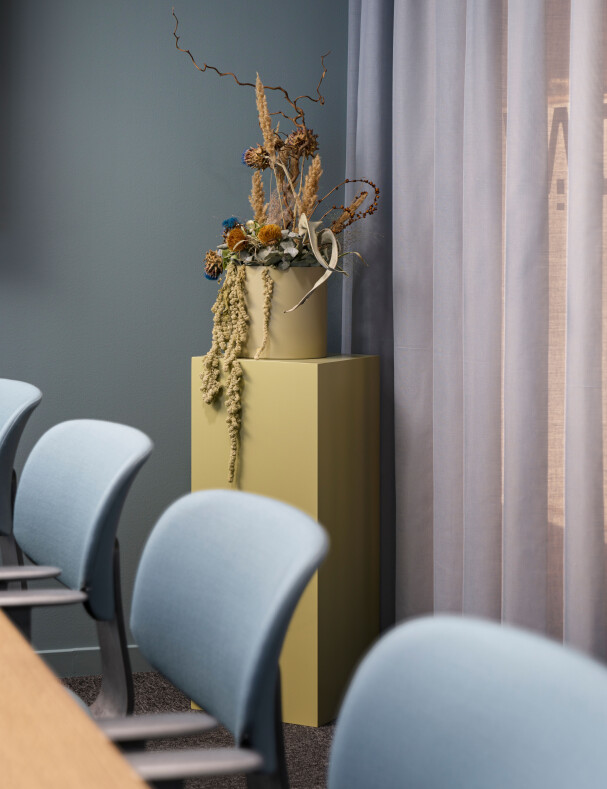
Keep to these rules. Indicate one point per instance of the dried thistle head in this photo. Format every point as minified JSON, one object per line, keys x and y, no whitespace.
{"x":257,"y":157}
{"x":302,"y":142}
{"x":213,"y":265}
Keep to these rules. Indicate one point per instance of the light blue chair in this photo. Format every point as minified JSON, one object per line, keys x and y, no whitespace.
{"x":67,"y":509}
{"x":217,"y":585}
{"x":455,"y":703}
{"x":17,"y":402}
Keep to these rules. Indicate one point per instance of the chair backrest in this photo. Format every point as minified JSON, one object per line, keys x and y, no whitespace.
{"x":69,"y":500}
{"x":465,"y":703}
{"x":216,"y":587}
{"x":17,"y":401}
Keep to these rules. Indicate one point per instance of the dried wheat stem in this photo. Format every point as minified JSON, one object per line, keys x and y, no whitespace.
{"x":257,"y":198}
{"x":347,"y":217}
{"x":310,"y":190}
{"x":265,"y":122}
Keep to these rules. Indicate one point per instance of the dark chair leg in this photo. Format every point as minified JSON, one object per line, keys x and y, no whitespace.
{"x":22,"y":619}
{"x":10,"y":553}
{"x":265,"y":781}
{"x":13,"y":491}
{"x":279,"y":779}
{"x":117,"y":697}
{"x":167,"y":784}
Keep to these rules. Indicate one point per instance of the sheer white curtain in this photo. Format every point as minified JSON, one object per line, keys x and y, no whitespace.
{"x":494,"y":234}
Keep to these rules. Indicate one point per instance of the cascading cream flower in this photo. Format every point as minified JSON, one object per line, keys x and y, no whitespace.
{"x":220,"y":365}
{"x":268,"y":289}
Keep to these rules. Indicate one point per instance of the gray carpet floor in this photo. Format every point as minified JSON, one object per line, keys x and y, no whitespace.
{"x":307,"y":748}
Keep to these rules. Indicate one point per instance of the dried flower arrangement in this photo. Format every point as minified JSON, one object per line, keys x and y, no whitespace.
{"x":280,"y":235}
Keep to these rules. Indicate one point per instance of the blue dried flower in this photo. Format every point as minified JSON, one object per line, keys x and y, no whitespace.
{"x":212,"y":277}
{"x":228,"y":224}
{"x":243,"y":158}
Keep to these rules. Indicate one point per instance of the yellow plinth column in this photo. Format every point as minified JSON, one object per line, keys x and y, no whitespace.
{"x":310,"y":437}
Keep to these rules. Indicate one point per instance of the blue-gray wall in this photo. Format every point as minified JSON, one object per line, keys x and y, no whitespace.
{"x":118,"y":161}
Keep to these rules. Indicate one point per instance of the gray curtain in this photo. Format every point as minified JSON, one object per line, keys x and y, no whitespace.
{"x":483,"y":122}
{"x":367,"y":291}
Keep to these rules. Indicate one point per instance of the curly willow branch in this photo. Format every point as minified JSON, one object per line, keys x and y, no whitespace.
{"x":351,"y":211}
{"x":299,"y":113}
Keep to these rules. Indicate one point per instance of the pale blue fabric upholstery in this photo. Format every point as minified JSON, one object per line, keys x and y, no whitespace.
{"x":216,"y":587}
{"x":461,"y":703}
{"x":69,"y":501}
{"x":17,"y":401}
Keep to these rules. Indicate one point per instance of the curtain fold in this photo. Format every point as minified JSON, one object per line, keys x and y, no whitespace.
{"x":447,"y":319}
{"x":485,"y":121}
{"x":584,"y":605}
{"x":413,"y":164}
{"x":482,"y":307}
{"x":367,"y":291}
{"x":525,"y":509}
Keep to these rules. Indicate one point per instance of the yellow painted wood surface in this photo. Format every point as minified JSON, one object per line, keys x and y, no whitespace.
{"x":46,"y":740}
{"x":310,"y":437}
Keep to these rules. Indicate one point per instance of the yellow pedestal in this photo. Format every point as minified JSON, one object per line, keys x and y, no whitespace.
{"x":310,"y":437}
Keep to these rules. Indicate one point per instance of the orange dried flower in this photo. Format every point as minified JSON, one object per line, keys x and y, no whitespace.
{"x":269,"y":234}
{"x":236,"y":239}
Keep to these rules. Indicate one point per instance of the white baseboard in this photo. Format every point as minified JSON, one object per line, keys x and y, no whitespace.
{"x":85,"y":661}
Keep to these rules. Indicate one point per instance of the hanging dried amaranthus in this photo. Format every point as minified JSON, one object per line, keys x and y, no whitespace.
{"x":230,"y":332}
{"x":268,"y":289}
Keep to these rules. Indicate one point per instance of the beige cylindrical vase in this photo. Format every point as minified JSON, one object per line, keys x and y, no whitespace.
{"x":301,"y":334}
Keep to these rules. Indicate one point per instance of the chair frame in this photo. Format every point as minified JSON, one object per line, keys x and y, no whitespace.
{"x":169,"y":769}
{"x":116,"y":697}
